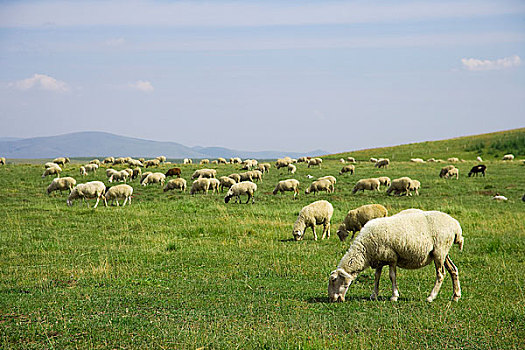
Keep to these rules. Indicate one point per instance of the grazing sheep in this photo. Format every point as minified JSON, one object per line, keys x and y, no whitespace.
{"x":351,"y":160}
{"x":302,"y":159}
{"x":320,"y":185}
{"x":235,"y":160}
{"x":366,"y":184}
{"x":61,"y":161}
{"x":51,"y":165}
{"x":154,"y":178}
{"x":135,"y":162}
{"x":136,"y":173}
{"x":373,"y":160}
{"x":144,"y":176}
{"x":249,"y":164}
{"x":52,"y":171}
{"x":316,"y":213}
{"x":201,"y":184}
{"x":123,"y":191}
{"x":246,"y":176}
{"x":330,"y":178}
{"x":452,"y":173}
{"x":341,"y":160}
{"x":357,"y":218}
{"x":315,"y":161}
{"x":382,"y":163}
{"x":417,"y":160}
{"x":309,"y":176}
{"x":83,"y":171}
{"x":173,"y":172}
{"x":93,"y":189}
{"x":178,"y":183}
{"x":431,"y":160}
{"x":400,"y":185}
{"x":204,"y":161}
{"x":347,"y":169}
{"x":2,"y":161}
{"x":453,"y":160}
{"x":287,"y":185}
{"x":214,"y":185}
{"x":226,"y":182}
{"x":151,"y":162}
{"x":120,"y":176}
{"x":292,"y":168}
{"x":444,"y":171}
{"x":264,"y":167}
{"x":245,"y":187}
{"x":214,"y":162}
{"x":120,"y":160}
{"x":110,"y":172}
{"x":498,"y":197}
{"x":206,"y":173}
{"x":408,"y":241}
{"x":88,"y":168}
{"x":256,"y":175}
{"x":478,"y":169}
{"x":478,"y":158}
{"x":187,"y":161}
{"x":108,"y":160}
{"x":95,"y":161}
{"x":236,"y":177}
{"x":161,"y":159}
{"x":384,"y":181}
{"x":61,"y":184}
{"x":282,"y":163}
{"x":508,"y":157}
{"x":414,"y":186}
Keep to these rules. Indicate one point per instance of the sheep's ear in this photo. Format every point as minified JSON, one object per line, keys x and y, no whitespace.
{"x":343,"y":274}
{"x":333,"y":275}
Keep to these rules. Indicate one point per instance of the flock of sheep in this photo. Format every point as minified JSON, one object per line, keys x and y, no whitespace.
{"x":410,"y":239}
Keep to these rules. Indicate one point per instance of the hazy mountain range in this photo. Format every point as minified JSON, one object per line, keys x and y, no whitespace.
{"x":102,"y":144}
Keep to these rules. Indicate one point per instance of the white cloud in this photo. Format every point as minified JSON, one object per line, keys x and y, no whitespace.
{"x":42,"y":82}
{"x":475,"y":64}
{"x":141,"y":85}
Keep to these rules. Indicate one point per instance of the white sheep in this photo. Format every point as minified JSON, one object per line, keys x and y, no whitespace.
{"x":201,"y":184}
{"x":256,"y":175}
{"x":292,"y":168}
{"x":508,"y":157}
{"x":51,"y":165}
{"x":226,"y":182}
{"x":120,"y":160}
{"x":478,"y":158}
{"x":90,"y":168}
{"x":95,"y":161}
{"x":498,"y":197}
{"x":244,"y":187}
{"x":347,"y":169}
{"x":444,"y":171}
{"x":431,"y":160}
{"x":121,"y":175}
{"x":382,"y":163}
{"x":178,"y":183}
{"x":187,"y":161}
{"x":417,"y":160}
{"x":110,"y":171}
{"x":235,"y":160}
{"x":316,"y":213}
{"x":282,"y":163}
{"x":366,"y":184}
{"x":214,"y":185}
{"x":452,"y":173}
{"x":410,"y":241}
{"x":221,"y":160}
{"x":154,"y":178}
{"x":320,"y":185}
{"x":384,"y":181}
{"x":2,"y":161}
{"x":287,"y":185}
{"x":52,"y":171}
{"x":400,"y":185}
{"x":206,"y":173}
{"x":161,"y":159}
{"x":151,"y":162}
{"x":204,"y":161}
{"x":61,"y":161}
{"x":315,"y":161}
{"x":144,"y":176}
{"x":93,"y":189}
{"x":108,"y":160}
{"x":61,"y":184}
{"x":453,"y":160}
{"x":83,"y":171}
{"x":373,"y":160}
{"x":342,"y":160}
{"x":135,"y":162}
{"x":351,"y":160}
{"x":414,"y":186}
{"x":264,"y":167}
{"x":302,"y":159}
{"x":235,"y":176}
{"x":357,"y":218}
{"x":123,"y":191}
{"x":246,"y":176}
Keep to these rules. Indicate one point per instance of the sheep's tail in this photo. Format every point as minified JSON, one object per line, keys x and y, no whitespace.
{"x":459,"y":239}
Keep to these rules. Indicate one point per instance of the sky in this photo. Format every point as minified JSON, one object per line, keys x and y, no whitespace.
{"x":263,"y":75}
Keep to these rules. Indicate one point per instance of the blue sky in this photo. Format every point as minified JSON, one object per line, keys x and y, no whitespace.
{"x":258,"y":75}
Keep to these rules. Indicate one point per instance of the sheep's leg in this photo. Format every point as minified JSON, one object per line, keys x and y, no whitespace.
{"x":326,"y":230}
{"x":453,"y":271}
{"x":315,"y":234}
{"x":440,"y":275}
{"x":392,"y":275}
{"x":98,"y":199}
{"x":116,"y":200}
{"x":376,"y":283}
{"x":249,"y":197}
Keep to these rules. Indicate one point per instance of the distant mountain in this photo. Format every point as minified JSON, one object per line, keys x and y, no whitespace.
{"x":102,"y":144}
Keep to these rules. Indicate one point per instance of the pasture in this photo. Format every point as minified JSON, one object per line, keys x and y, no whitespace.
{"x":180,"y":271}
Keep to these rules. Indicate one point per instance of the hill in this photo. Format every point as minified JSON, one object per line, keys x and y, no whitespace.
{"x":102,"y":144}
{"x":491,"y":146}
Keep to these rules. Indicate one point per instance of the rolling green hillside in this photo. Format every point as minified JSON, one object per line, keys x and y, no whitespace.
{"x":488,"y":146}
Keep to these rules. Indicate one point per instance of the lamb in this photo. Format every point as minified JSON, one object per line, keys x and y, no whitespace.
{"x":330,"y":178}
{"x":264,"y":167}
{"x":91,"y":168}
{"x":373,"y":160}
{"x":52,"y":171}
{"x":61,"y":184}
{"x":226,"y":182}
{"x":117,"y":192}
{"x":478,"y":169}
{"x":316,"y":213}
{"x":414,"y":186}
{"x":320,"y":185}
{"x":120,"y":176}
{"x":400,"y":185}
{"x":61,"y":161}
{"x":95,"y":161}
{"x":83,"y":171}
{"x":409,"y":241}
{"x":508,"y":157}
{"x":417,"y":160}
{"x":236,"y":177}
{"x":287,"y":185}
{"x":384,"y":181}
{"x":173,"y":172}
{"x":206,"y":173}
{"x":2,"y":160}
{"x":357,"y":218}
{"x":201,"y":184}
{"x":382,"y":163}
{"x":256,"y":175}
{"x":187,"y":161}
{"x":161,"y":159}
{"x":204,"y":161}
{"x":136,"y":173}
{"x":178,"y":183}
{"x":154,"y":178}
{"x":214,"y":185}
{"x":451,"y":173}
{"x":292,"y":168}
{"x":366,"y":184}
{"x":347,"y":169}
{"x":342,"y":160}
{"x":245,"y":187}
{"x":444,"y":171}
{"x":93,"y":189}
{"x":151,"y":162}
{"x":453,"y":160}
{"x":315,"y":161}
{"x":108,"y":160}
{"x":478,"y":158}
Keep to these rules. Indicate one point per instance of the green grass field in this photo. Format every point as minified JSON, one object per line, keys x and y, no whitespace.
{"x":180,"y":271}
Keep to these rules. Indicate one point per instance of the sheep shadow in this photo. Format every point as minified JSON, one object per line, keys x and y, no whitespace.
{"x":287,"y":240}
{"x":326,"y":300}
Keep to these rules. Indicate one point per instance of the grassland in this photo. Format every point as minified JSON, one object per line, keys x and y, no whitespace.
{"x":180,"y":271}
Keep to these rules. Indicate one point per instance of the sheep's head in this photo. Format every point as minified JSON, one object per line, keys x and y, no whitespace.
{"x":298,"y":234}
{"x":227,"y":198}
{"x":342,"y":232}
{"x":338,"y":284}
